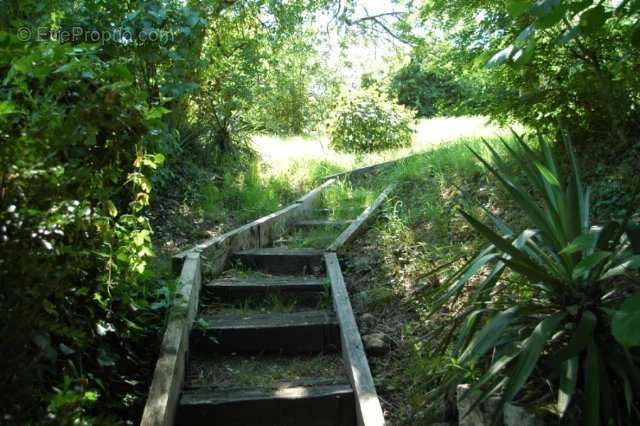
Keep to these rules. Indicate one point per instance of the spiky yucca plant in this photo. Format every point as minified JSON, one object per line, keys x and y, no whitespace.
{"x":573,"y":316}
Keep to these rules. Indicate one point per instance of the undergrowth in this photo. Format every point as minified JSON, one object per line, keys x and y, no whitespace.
{"x":419,"y":244}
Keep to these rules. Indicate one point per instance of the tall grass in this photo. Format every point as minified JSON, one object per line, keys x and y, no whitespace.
{"x":288,"y":167}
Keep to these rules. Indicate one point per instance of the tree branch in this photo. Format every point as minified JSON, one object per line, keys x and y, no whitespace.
{"x":378,"y":20}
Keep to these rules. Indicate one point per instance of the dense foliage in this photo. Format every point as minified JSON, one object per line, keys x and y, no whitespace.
{"x":95,"y":97}
{"x":367,"y":121}
{"x":295,"y":92}
{"x":567,"y":315}
{"x":81,"y":128}
{"x":426,"y":91}
{"x":548,"y":61}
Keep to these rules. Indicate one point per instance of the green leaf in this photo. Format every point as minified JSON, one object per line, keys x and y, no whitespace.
{"x":581,"y":243}
{"x":552,"y":18}
{"x":580,"y":339}
{"x":531,"y":351}
{"x":111,"y":208}
{"x":542,"y":8}
{"x":628,"y":264}
{"x":592,"y":387}
{"x":484,"y":340}
{"x":159,"y":159}
{"x":516,"y":8}
{"x":520,"y":261}
{"x":626,"y":322}
{"x":593,"y":19}
{"x":104,"y":359}
{"x":7,"y":108}
{"x":570,"y":35}
{"x":501,"y":57}
{"x":548,"y":175}
{"x":525,"y":35}
{"x":523,"y":56}
{"x":587,"y":264}
{"x":568,"y":379}
{"x":156,"y":113}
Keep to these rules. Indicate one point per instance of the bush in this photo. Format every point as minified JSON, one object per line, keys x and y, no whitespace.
{"x":369,"y":122}
{"x":429,"y":92}
{"x":82,"y":126}
{"x":554,"y":303}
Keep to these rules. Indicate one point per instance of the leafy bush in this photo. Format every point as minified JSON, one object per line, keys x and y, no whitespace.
{"x":555,"y":299}
{"x":81,"y":126}
{"x":369,"y":122}
{"x":429,"y":92}
{"x":548,"y":61}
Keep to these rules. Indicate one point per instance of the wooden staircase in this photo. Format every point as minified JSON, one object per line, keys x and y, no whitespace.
{"x":270,"y":342}
{"x":306,"y":327}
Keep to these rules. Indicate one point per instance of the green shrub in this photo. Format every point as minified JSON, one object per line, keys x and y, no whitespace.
{"x":369,"y":122}
{"x":554,"y":303}
{"x":429,"y":92}
{"x":82,"y":125}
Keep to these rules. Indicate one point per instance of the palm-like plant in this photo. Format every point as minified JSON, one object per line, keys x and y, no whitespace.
{"x":566,"y":318}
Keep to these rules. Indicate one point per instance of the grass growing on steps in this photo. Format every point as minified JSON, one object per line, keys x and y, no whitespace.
{"x":421,"y":232}
{"x":264,"y":370}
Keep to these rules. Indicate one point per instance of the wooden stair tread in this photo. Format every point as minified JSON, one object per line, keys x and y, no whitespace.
{"x":295,"y":332}
{"x":258,"y":321}
{"x":283,"y":261}
{"x":278,"y":251}
{"x":221,"y":395}
{"x":276,"y":282}
{"x":314,"y":405}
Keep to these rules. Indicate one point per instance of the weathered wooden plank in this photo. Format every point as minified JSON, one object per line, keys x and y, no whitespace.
{"x":361,"y":222}
{"x":321,"y":223}
{"x":303,"y":287}
{"x":368,"y":409}
{"x":374,"y":168}
{"x":356,"y":173}
{"x":316,"y":405}
{"x":162,"y":401}
{"x":296,"y":332}
{"x":259,"y":233}
{"x":283,"y":261}
{"x":312,"y":196}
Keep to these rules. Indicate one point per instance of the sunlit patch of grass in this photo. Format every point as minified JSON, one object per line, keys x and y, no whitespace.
{"x":299,"y":157}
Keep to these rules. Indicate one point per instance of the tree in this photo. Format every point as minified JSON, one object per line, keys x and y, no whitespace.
{"x":551,"y":60}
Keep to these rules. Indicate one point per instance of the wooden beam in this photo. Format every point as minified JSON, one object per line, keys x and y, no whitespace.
{"x":311,"y":197}
{"x":320,"y":223}
{"x":259,"y":233}
{"x":368,"y":409}
{"x":296,"y":332}
{"x":374,"y":168}
{"x":310,"y":405}
{"x":306,"y":290}
{"x":361,"y":222}
{"x":283,"y":261}
{"x":168,"y":377}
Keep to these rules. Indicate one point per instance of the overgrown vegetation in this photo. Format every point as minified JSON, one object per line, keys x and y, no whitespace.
{"x":545,"y":62}
{"x":568,"y":311}
{"x":367,"y":121}
{"x":127,"y":129}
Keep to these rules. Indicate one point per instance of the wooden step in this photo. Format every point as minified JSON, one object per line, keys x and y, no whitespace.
{"x":323,"y":223}
{"x":283,"y":261}
{"x":296,"y":332}
{"x":307,"y":288}
{"x":287,"y":405}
